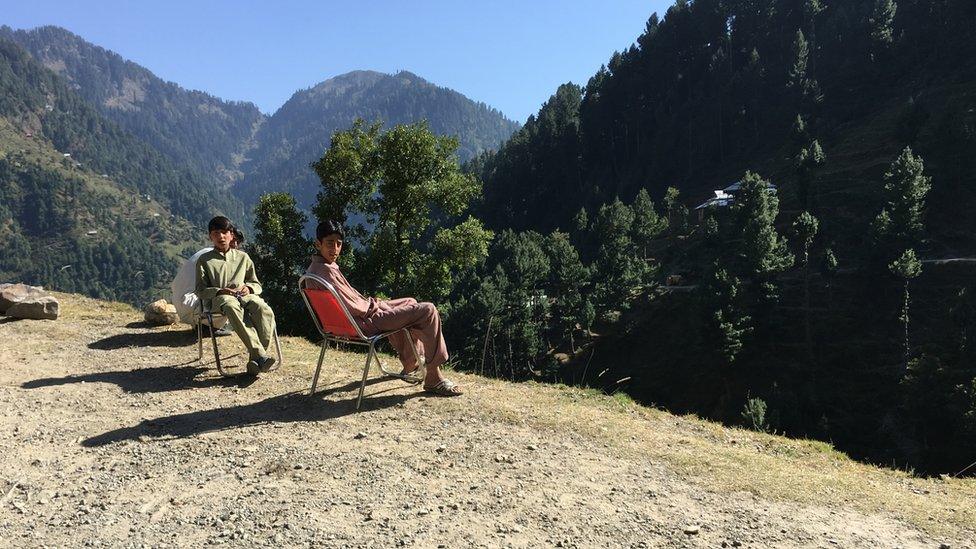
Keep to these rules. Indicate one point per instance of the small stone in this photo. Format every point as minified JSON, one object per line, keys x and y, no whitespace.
{"x":161,"y":313}
{"x":360,"y":435}
{"x":441,"y":449}
{"x":532,"y":447}
{"x":692,"y":529}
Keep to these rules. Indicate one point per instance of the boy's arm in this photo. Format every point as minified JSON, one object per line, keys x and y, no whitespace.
{"x":251,"y":277}
{"x":203,"y":289}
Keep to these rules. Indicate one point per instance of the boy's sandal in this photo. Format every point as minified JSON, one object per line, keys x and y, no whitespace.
{"x":413,"y":376}
{"x":445,"y":388}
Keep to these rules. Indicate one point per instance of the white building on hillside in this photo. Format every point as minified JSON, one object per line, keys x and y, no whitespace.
{"x":725,"y":197}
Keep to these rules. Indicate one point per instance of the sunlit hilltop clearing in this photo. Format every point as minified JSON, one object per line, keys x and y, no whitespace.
{"x":113,"y":433}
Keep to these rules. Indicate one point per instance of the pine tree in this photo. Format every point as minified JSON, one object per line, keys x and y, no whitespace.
{"x":761,"y":253}
{"x":805,"y":227}
{"x":906,"y":267}
{"x":647,"y":223}
{"x":618,"y":270}
{"x":801,"y":54}
{"x":881,"y":21}
{"x":808,"y":160}
{"x":677,"y":212}
{"x":828,"y":270}
{"x":727,"y":318}
{"x":900,"y":223}
{"x":568,"y":279}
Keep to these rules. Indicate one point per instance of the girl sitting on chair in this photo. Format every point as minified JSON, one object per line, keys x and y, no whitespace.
{"x":374,"y":316}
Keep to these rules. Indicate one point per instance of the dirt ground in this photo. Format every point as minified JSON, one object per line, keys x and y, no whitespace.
{"x":113,"y":435}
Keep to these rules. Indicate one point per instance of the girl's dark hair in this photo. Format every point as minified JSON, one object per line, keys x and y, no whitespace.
{"x":327,"y":228}
{"x":220,"y":223}
{"x":238,"y":237}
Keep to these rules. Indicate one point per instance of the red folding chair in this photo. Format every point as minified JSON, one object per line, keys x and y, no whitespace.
{"x":334,"y":323}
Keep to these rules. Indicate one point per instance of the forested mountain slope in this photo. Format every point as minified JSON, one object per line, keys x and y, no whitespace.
{"x":299,"y":132}
{"x":85,"y":206}
{"x":190,"y":127}
{"x":715,"y":88}
{"x":823,"y":308}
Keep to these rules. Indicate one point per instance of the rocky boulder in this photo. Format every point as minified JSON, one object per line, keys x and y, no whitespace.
{"x":23,"y":301}
{"x":37,"y":307}
{"x":12,"y":293}
{"x":161,"y":313}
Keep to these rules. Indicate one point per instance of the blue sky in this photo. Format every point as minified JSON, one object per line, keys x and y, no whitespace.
{"x":509,"y":54}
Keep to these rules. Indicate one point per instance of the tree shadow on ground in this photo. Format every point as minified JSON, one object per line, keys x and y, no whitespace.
{"x":167,"y":338}
{"x":159,"y":379}
{"x":7,"y":319}
{"x":290,"y":407}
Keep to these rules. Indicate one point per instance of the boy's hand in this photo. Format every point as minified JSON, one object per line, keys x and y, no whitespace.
{"x":243,"y":291}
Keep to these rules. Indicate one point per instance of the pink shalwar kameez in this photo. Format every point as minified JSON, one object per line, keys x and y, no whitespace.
{"x":374,"y":316}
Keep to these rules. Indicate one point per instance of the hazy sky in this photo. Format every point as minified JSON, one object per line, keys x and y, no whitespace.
{"x":509,"y":54}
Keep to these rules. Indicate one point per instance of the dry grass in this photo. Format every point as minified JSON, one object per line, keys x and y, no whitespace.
{"x":717,"y":458}
{"x":724,"y":459}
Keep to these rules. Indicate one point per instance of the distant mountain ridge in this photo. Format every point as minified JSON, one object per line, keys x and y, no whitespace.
{"x":207,"y":133}
{"x":300,"y":131}
{"x":232,"y":143}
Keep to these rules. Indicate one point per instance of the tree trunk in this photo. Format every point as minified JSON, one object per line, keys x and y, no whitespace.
{"x":806,"y":303}
{"x":904,"y":316}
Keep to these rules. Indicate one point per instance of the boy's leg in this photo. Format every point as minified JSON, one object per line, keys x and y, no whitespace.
{"x":400,"y":341}
{"x":423,"y":322}
{"x":402,"y":344}
{"x":262,"y":317}
{"x":231,"y":308}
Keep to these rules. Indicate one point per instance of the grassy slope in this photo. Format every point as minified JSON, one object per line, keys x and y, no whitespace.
{"x":718,"y":458}
{"x":171,"y":233}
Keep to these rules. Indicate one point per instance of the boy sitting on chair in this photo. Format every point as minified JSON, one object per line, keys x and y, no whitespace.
{"x":421,"y":320}
{"x":225,"y":278}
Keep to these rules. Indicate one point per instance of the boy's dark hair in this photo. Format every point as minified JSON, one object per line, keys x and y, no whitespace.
{"x":327,"y":228}
{"x":220,"y":223}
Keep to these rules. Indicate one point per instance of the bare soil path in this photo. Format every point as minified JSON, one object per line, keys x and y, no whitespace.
{"x":112,"y":435}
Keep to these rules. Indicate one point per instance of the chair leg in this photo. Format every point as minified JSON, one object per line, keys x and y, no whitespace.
{"x":318,"y":368}
{"x":421,"y":370}
{"x":277,"y":341}
{"x":413,"y":347}
{"x":362,"y":385}
{"x":200,"y":341}
{"x":213,"y":340}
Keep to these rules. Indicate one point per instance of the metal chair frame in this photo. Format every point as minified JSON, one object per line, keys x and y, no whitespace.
{"x":359,"y":339}
{"x":209,"y":315}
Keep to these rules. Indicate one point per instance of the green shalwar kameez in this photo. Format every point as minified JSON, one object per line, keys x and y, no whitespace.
{"x":234,"y":269}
